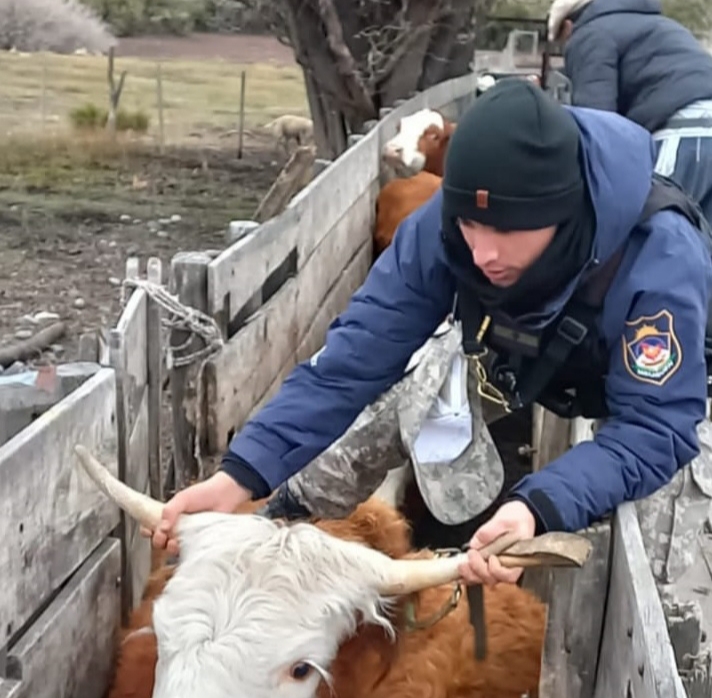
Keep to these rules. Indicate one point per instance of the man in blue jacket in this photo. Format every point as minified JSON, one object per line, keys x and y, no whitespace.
{"x":535,"y":241}
{"x":625,"y":56}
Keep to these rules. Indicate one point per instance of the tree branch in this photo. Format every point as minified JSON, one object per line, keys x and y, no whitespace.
{"x":411,"y":38}
{"x":345,"y":62}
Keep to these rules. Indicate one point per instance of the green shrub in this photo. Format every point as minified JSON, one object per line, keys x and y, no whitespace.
{"x":91,"y":117}
{"x":88,"y":116}
{"x":137,"y":121}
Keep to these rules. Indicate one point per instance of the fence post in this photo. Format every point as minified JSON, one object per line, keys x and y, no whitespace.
{"x":154,"y":364}
{"x":189,"y":282}
{"x":119,"y":361}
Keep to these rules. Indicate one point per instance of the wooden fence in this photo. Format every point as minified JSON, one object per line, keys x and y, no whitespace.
{"x":70,"y":566}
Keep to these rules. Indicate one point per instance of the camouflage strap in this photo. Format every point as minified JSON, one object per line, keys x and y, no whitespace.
{"x":672,"y":518}
{"x":355,"y":465}
{"x":455,"y":488}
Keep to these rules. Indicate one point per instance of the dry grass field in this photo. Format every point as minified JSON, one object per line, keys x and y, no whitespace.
{"x":201,"y":97}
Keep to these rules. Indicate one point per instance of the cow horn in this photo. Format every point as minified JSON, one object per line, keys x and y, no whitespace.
{"x":137,"y":505}
{"x":553,"y":549}
{"x":408,"y":576}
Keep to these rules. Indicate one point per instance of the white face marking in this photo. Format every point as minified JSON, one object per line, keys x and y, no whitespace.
{"x":402,"y":149}
{"x":259,"y":610}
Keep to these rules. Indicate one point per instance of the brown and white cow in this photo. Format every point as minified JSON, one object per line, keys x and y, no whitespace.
{"x":258,"y":608}
{"x":420,"y":144}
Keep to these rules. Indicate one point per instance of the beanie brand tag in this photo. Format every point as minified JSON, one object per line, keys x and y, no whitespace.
{"x":482,"y":198}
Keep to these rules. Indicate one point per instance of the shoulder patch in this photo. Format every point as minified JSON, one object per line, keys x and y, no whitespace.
{"x":651,"y":350}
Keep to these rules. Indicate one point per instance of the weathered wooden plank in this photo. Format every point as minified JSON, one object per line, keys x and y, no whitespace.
{"x":576,"y":598}
{"x":10,"y":688}
{"x":154,"y":358}
{"x":128,"y":350}
{"x":238,"y":377}
{"x":138,"y":549}
{"x":552,"y":437}
{"x":241,"y":270}
{"x":51,"y":516}
{"x":189,"y":274}
{"x":576,"y":603}
{"x":129,"y":357}
{"x":334,"y":303}
{"x":295,"y":175}
{"x":636,"y":656}
{"x":234,"y":277}
{"x":68,"y":652}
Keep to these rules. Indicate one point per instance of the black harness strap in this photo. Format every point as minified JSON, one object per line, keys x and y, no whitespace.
{"x":476,"y":603}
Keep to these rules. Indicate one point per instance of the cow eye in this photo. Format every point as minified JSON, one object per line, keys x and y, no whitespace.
{"x":300,"y":671}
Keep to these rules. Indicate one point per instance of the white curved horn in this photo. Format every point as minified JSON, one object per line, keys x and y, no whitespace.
{"x":137,"y":505}
{"x":553,"y":549}
{"x":408,"y":576}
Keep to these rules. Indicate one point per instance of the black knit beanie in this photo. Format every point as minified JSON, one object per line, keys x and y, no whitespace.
{"x":512,"y":162}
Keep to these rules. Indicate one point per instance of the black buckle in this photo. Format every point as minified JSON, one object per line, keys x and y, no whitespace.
{"x":572,"y":330}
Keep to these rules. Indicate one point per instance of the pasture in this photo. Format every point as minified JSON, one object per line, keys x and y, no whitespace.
{"x":74,"y":205}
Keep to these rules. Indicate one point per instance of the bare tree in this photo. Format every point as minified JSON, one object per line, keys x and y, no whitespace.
{"x":360,"y":55}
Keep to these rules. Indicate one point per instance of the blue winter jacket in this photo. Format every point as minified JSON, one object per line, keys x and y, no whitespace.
{"x":665,"y":277}
{"x":625,"y":56}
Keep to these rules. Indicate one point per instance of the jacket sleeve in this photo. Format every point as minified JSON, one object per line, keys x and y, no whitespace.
{"x":407,"y":294}
{"x":651,"y":431}
{"x":591,"y":63}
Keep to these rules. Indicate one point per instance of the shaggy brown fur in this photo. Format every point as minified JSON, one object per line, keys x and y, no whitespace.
{"x":433,"y":143}
{"x":396,"y":201}
{"x":437,"y":662}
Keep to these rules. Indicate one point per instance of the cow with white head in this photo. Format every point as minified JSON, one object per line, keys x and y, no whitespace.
{"x":260,"y":609}
{"x":420,"y":144}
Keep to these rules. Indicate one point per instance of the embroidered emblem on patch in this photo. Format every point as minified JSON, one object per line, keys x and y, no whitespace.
{"x":651,"y":350}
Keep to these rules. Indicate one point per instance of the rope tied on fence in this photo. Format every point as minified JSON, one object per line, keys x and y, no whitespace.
{"x":195,"y":323}
{"x":182,"y":318}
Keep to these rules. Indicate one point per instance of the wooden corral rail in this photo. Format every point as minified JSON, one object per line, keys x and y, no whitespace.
{"x":607,"y":632}
{"x":68,"y":564}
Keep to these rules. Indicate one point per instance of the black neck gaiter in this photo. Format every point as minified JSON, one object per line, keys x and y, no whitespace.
{"x":565,"y":256}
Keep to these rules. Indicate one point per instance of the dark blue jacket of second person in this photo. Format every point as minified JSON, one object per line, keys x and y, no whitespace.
{"x":665,"y":275}
{"x":625,"y":56}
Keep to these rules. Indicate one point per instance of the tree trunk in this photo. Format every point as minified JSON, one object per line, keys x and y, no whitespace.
{"x":361,"y":55}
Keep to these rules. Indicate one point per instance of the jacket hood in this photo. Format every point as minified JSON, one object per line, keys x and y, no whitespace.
{"x":599,"y":8}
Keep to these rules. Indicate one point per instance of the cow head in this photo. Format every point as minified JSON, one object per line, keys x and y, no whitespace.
{"x":402,"y":152}
{"x":257,"y":608}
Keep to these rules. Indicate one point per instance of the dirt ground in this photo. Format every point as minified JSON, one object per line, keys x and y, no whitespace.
{"x":237,"y":49}
{"x":65,"y":243}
